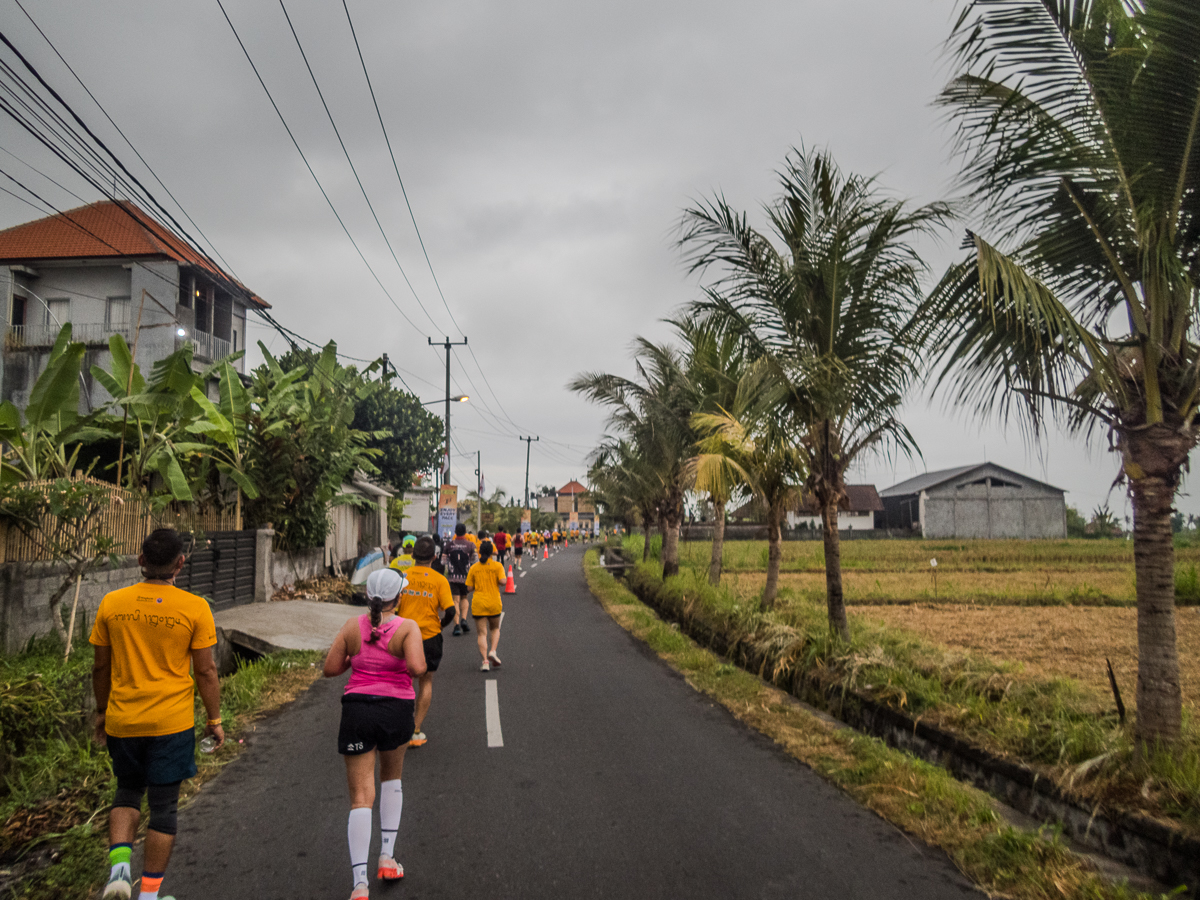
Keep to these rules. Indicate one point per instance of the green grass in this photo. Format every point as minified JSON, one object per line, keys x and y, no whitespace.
{"x":55,"y":784}
{"x":916,"y":796}
{"x":1051,"y":724}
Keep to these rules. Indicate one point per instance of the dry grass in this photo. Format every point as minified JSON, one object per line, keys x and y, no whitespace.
{"x":1070,"y":642}
{"x":1090,"y":587}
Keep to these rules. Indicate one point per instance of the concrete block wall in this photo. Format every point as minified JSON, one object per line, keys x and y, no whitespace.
{"x":25,"y":590}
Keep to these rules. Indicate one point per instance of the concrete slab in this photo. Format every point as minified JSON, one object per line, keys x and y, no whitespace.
{"x":286,"y":625}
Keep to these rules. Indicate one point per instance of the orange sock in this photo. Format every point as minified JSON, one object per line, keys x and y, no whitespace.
{"x":151,"y":882}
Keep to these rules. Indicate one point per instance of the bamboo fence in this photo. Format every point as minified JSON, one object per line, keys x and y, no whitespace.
{"x":127,"y":519}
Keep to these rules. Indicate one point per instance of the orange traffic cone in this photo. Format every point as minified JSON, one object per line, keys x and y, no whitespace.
{"x":510,"y":586}
{"x":545,"y":552}
{"x":566,"y":543}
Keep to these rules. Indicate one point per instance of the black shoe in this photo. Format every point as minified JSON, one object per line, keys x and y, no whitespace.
{"x":465,"y":628}
{"x":457,"y":630}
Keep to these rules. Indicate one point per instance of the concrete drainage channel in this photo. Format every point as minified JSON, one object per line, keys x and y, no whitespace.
{"x":1155,"y":849}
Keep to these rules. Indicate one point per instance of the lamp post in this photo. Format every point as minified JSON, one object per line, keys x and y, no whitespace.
{"x":448,"y":344}
{"x":461,"y":398}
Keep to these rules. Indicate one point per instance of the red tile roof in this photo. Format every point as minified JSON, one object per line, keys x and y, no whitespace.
{"x":107,"y":229}
{"x":572,"y":487}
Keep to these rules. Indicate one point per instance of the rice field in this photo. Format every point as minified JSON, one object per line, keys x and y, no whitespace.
{"x":1009,"y":573}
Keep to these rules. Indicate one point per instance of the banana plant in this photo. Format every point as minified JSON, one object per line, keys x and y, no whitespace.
{"x":36,"y":444}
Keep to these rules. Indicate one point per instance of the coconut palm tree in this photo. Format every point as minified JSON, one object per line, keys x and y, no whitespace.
{"x":748,"y":444}
{"x":652,"y":411}
{"x":827,"y":307}
{"x":715,"y":361}
{"x":1078,"y":127}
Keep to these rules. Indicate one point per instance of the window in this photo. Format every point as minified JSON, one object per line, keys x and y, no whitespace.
{"x":58,"y":312}
{"x":116,"y":314}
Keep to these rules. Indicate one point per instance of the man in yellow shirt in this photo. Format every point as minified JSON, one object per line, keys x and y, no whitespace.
{"x":148,"y":639}
{"x":404,"y":559}
{"x":427,"y":600}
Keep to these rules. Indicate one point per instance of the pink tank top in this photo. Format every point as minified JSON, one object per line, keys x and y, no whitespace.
{"x":375,"y":671}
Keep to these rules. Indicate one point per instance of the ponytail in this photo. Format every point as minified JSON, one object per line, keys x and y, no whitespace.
{"x":375,"y":605}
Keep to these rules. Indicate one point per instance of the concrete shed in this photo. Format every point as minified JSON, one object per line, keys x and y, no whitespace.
{"x":979,"y":501}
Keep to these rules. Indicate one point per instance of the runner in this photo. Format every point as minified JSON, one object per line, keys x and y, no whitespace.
{"x":148,"y":640}
{"x":405,"y":559}
{"x":518,"y":548}
{"x":458,"y":556}
{"x":501,"y":542}
{"x":427,"y":601}
{"x":383,"y":652}
{"x":484,"y":581}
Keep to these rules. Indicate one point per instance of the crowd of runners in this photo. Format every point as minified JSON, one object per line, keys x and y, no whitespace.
{"x":151,"y":637}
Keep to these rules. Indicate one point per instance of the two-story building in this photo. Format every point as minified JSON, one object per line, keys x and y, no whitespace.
{"x":109,"y":268}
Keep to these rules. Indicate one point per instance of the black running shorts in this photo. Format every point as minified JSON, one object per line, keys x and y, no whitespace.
{"x":161,"y":759}
{"x":433,"y":652}
{"x":458,"y":589}
{"x":374,"y":723}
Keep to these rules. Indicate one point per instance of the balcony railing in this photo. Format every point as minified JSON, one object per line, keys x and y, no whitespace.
{"x":209,"y":346}
{"x":19,"y":336}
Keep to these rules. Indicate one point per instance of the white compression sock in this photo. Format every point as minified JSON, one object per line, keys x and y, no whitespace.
{"x":391,"y":803}
{"x":358,"y":833}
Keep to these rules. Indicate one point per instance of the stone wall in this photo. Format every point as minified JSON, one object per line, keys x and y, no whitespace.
{"x":25,"y":589}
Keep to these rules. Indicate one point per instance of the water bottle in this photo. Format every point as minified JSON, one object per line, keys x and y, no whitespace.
{"x":209,"y":744}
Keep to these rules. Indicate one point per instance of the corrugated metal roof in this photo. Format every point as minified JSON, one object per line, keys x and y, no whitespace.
{"x":941,"y":476}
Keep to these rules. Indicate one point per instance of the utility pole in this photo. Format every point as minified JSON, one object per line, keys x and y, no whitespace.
{"x":479,"y":490}
{"x":448,"y":344}
{"x":528,"y":442}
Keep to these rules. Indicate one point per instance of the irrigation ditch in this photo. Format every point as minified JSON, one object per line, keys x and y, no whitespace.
{"x":1155,"y":848}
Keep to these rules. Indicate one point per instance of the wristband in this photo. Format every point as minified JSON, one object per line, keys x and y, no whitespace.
{"x":214,"y":721}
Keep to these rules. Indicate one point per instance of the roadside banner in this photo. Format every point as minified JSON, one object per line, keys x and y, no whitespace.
{"x":526,"y":521}
{"x":573,"y":521}
{"x":447,"y":509}
{"x":596,"y":526}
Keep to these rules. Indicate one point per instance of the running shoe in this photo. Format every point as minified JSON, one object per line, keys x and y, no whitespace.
{"x":494,"y":659}
{"x":457,"y":630}
{"x":118,"y":888}
{"x":360,"y":892}
{"x":418,"y":739}
{"x":485,"y":668}
{"x":465,"y":627}
{"x":389,"y":869}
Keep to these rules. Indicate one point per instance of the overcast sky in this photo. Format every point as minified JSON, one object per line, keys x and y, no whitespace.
{"x":547,"y":149}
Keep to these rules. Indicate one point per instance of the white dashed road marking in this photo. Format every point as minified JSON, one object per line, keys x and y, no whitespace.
{"x":491,"y":699}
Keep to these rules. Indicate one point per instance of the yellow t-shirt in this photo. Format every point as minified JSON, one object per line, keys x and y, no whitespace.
{"x":474,"y":539}
{"x":427,"y":592}
{"x":152,"y":630}
{"x":402,"y":562}
{"x":485,"y":579}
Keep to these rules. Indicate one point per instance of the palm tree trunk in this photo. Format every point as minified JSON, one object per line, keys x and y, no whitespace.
{"x":1159,"y":700}
{"x":671,"y":522}
{"x":718,"y":544}
{"x":834,"y":598}
{"x":647,"y":525}
{"x":774,"y":556}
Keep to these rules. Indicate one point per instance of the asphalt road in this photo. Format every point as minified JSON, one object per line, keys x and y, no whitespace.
{"x":615,"y":779}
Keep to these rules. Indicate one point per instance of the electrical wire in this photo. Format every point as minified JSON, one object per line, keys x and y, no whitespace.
{"x":387,"y":140}
{"x":308,"y":166}
{"x":353,"y":168}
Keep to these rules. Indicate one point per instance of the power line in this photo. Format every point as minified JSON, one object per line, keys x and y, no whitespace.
{"x":320,"y":187}
{"x":353,"y":169}
{"x":396,"y":167}
{"x":149,"y":168}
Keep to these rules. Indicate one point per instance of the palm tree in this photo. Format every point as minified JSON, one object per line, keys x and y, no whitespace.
{"x":653,"y":412}
{"x":715,"y":360}
{"x":748,"y":444}
{"x":827,"y":308}
{"x":1078,"y":124}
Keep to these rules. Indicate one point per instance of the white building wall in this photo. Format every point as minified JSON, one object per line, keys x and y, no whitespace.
{"x":847,"y":521}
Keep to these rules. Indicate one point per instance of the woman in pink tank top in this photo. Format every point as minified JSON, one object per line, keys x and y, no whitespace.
{"x":383,"y":653}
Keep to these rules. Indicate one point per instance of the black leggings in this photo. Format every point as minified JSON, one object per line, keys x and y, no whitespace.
{"x":163,"y":800}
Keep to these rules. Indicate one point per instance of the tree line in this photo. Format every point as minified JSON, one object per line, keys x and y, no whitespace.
{"x":1077,"y":136}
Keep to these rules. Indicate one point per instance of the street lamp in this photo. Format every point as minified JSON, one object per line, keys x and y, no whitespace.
{"x":461,"y":398}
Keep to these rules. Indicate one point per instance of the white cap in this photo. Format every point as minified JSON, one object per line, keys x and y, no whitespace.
{"x":385,"y":584}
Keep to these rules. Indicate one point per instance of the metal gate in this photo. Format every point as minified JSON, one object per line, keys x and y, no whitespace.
{"x":224,"y":570}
